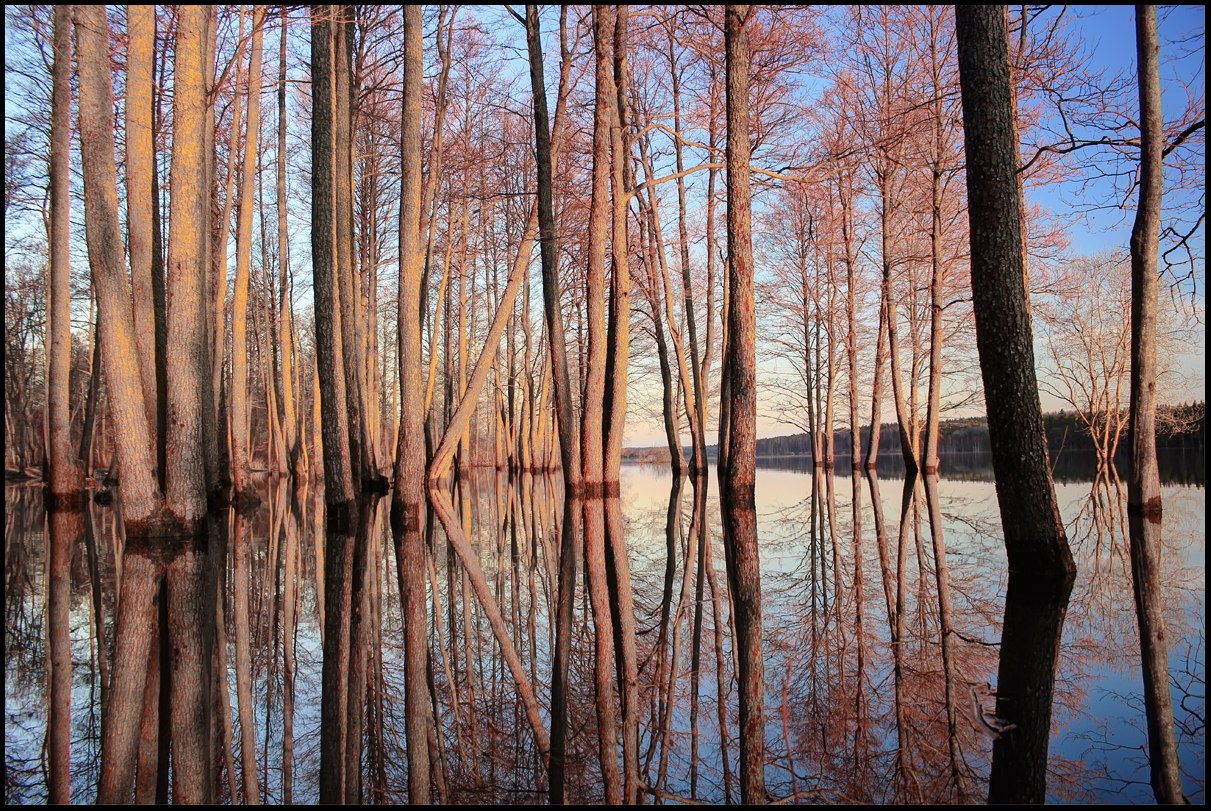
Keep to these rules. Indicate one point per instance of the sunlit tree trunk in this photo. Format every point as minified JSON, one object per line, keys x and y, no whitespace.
{"x":1143,"y":486}
{"x":408,"y":497}
{"x":140,"y":165}
{"x":140,"y":490}
{"x":186,"y":312}
{"x":64,"y":479}
{"x":737,"y":477}
{"x":239,"y":307}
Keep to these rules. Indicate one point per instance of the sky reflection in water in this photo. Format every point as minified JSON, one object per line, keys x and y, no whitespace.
{"x":832,"y":723}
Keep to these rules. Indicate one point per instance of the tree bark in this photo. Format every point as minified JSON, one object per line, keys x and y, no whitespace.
{"x":239,"y":307}
{"x":65,"y":480}
{"x":338,"y":471}
{"x":1034,"y":535}
{"x":738,"y":475}
{"x":1144,"y":507}
{"x":140,"y":490}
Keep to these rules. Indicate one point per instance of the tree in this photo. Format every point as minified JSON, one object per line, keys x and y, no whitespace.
{"x":64,"y":478}
{"x":338,"y":471}
{"x":740,"y":367}
{"x":239,"y":306}
{"x":1034,"y":535}
{"x":133,"y":434}
{"x":1144,"y":485}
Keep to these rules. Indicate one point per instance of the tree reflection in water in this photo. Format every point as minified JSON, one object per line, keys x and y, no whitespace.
{"x":880,"y":647}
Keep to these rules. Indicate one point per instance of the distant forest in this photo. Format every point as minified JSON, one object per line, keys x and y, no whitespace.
{"x":1179,"y":427}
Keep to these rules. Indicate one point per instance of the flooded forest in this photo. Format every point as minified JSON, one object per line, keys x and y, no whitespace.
{"x":604,"y":404}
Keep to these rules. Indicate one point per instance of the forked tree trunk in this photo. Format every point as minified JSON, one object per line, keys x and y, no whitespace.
{"x":140,"y":490}
{"x":594,"y":401}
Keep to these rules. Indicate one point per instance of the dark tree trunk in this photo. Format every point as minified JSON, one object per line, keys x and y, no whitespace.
{"x":338,"y":471}
{"x":1034,"y":535}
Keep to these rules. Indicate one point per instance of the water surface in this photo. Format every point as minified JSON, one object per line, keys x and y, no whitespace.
{"x":849,"y":715}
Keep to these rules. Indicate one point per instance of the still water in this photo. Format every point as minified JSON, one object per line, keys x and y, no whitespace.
{"x":849,"y":716}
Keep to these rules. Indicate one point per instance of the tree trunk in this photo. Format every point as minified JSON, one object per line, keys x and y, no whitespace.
{"x":64,"y":479}
{"x":338,"y":471}
{"x":239,"y":307}
{"x":408,"y":499}
{"x":140,"y":490}
{"x":1034,"y":535}
{"x":186,"y":313}
{"x":738,"y":476}
{"x":1144,"y":486}
{"x":140,"y":165}
{"x":360,"y":451}
{"x":285,"y":335}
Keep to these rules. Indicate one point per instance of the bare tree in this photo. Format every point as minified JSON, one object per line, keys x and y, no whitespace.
{"x":1034,"y":534}
{"x":1144,"y":485}
{"x":740,"y":368}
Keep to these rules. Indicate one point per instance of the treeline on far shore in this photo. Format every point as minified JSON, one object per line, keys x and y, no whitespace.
{"x":1178,"y":427}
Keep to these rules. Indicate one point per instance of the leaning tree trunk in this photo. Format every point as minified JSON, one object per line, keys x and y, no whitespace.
{"x":738,"y":477}
{"x":140,"y":490}
{"x":1144,"y":486}
{"x":1034,"y":535}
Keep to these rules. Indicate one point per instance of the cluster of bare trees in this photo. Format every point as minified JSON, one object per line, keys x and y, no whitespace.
{"x":203,"y":365}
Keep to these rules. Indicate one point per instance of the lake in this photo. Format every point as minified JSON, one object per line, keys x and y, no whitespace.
{"x":849,"y":716}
